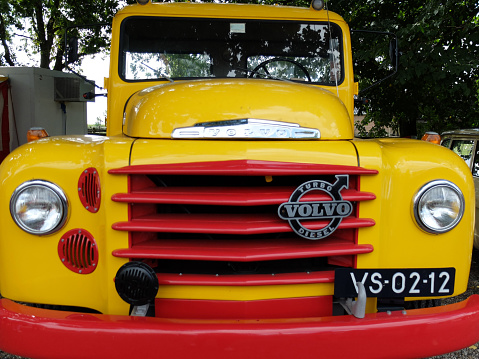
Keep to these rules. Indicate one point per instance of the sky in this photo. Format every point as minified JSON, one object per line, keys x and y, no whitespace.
{"x":96,"y":68}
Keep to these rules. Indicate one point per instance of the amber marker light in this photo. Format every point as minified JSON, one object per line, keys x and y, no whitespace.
{"x":432,"y":137}
{"x":35,"y":133}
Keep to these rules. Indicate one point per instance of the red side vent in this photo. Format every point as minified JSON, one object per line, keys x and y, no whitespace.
{"x":89,"y":189}
{"x":78,"y":251}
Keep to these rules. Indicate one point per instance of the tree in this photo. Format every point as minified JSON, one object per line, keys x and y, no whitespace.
{"x":437,"y":84}
{"x":43,"y":24}
{"x":436,"y":87}
{"x":46,"y":21}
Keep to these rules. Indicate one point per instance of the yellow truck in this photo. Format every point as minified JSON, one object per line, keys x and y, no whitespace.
{"x":230,"y":212}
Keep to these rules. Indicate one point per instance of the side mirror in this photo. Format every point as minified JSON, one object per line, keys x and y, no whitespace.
{"x":72,"y":50}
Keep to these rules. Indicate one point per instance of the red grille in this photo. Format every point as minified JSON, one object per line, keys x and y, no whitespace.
{"x":78,"y":251}
{"x":89,"y":189}
{"x":210,"y":218}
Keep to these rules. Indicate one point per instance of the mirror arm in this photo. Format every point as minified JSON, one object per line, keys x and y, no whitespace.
{"x":395,"y":56}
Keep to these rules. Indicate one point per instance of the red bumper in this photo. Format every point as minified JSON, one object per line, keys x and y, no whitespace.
{"x":38,"y":333}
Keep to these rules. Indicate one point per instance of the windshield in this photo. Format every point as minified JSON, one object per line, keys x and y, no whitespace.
{"x":178,"y":48}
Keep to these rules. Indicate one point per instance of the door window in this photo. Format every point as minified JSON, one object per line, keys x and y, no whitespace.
{"x":464,"y":149}
{"x":475,"y":166}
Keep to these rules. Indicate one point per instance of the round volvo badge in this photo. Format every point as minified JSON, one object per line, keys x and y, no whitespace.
{"x":297,"y":213}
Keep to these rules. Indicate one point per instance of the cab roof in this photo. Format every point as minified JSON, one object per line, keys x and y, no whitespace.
{"x":238,"y":11}
{"x":462,"y":132}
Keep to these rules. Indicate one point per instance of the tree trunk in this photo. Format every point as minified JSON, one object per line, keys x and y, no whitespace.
{"x":45,"y":48}
{"x":59,"y":58}
{"x":407,"y":128}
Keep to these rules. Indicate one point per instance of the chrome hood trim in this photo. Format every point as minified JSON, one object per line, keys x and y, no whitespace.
{"x":246,"y":128}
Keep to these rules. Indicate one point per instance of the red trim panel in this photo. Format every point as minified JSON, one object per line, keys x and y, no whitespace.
{"x":229,"y":196}
{"x":38,"y":333}
{"x":243,"y":168}
{"x":226,"y":224}
{"x":239,"y":251}
{"x":255,"y":309}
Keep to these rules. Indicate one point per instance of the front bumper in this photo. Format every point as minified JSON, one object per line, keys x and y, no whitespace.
{"x":39,"y":333}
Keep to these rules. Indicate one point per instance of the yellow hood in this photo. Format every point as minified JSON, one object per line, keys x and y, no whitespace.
{"x":156,"y":111}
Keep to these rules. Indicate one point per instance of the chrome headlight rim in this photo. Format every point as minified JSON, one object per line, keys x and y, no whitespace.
{"x":56,"y":190}
{"x":426,"y":188}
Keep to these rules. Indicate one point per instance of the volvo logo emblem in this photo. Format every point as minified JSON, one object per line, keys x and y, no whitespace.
{"x":296,"y":212}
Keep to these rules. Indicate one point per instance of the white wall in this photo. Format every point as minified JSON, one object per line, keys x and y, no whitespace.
{"x":32,"y":92}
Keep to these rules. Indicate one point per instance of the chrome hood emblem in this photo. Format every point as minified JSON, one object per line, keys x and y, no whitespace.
{"x":247,"y":128}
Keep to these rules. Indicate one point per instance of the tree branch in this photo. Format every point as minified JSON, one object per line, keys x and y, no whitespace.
{"x":3,"y":36}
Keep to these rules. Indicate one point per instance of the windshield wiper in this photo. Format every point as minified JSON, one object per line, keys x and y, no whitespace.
{"x":248,"y":72}
{"x":164,"y":77}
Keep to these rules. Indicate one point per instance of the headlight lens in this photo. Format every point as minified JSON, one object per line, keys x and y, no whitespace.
{"x":39,"y":207}
{"x":438,"y":206}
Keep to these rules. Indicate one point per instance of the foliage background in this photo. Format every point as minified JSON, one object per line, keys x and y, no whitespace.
{"x":437,"y":85}
{"x":435,"y":89}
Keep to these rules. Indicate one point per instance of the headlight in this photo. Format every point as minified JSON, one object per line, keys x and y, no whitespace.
{"x":438,"y":206}
{"x":39,"y":207}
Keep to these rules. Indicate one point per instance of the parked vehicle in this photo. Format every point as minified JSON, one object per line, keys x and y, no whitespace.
{"x":464,"y":143}
{"x":230,"y":212}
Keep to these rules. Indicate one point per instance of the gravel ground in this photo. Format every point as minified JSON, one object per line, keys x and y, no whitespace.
{"x":8,"y":356}
{"x":473,"y":288}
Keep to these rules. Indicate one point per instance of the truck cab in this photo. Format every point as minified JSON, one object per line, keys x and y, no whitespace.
{"x":230,"y":211}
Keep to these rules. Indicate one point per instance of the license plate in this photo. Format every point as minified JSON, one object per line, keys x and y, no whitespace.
{"x":388,"y":283}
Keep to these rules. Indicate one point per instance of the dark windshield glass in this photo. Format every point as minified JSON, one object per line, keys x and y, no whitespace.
{"x":153,"y":48}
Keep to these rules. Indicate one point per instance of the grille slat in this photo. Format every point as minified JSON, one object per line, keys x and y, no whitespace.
{"x":240,"y":224}
{"x":229,"y":196}
{"x":241,"y":251}
{"x":242,"y":168}
{"x":240,"y":280}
